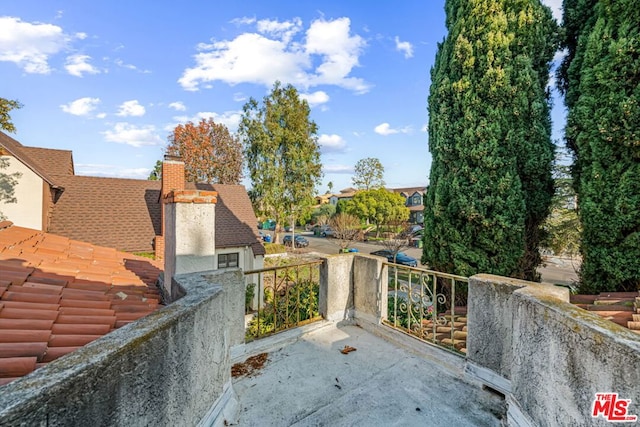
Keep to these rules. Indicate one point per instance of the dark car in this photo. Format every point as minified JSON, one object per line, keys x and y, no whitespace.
{"x":401,"y":258}
{"x":301,"y":242}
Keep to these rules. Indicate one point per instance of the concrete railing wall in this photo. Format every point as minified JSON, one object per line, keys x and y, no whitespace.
{"x":171,"y":367}
{"x":548,"y":356}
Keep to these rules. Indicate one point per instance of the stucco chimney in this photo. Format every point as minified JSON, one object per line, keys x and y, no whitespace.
{"x":172,"y":180}
{"x":189,"y":219}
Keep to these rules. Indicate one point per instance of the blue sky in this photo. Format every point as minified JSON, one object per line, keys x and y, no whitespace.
{"x":109,"y":80}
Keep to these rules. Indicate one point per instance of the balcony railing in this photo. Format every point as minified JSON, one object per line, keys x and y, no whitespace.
{"x":429,"y":305}
{"x":287,"y":297}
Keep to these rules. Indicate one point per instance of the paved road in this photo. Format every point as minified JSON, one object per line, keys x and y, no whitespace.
{"x":556,"y":270}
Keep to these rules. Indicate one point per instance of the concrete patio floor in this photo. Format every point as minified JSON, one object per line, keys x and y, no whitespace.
{"x":309,"y":382}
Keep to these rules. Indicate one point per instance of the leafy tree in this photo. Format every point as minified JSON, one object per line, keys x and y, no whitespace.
{"x":563,"y":227}
{"x":369,"y":174}
{"x":8,"y":182}
{"x":379,"y":206}
{"x":346,"y":229}
{"x":489,"y":135}
{"x":210,"y":153}
{"x":330,"y":186}
{"x":601,"y":80}
{"x":326,"y":210}
{"x":156,"y":173}
{"x":6,"y":105}
{"x":282,"y":153}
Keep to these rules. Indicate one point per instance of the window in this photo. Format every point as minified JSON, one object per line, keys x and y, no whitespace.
{"x":416,"y":200}
{"x":227,"y":260}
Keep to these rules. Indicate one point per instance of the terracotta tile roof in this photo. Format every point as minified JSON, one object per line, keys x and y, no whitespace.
{"x":57,"y":295}
{"x":18,"y":151}
{"x":55,"y":162}
{"x":117,"y":213}
{"x":236,"y":223}
{"x":622,"y":308}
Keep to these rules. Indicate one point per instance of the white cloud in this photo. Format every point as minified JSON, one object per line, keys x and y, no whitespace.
{"x":78,"y":64}
{"x":270,"y":54}
{"x":243,"y":21}
{"x":337,"y":169}
{"x":131,"y":108}
{"x":316,"y":98}
{"x":386,"y":129}
{"x":239,"y":97}
{"x":136,"y":136}
{"x":556,"y":8}
{"x":120,"y":63}
{"x":178,"y":106}
{"x":101,"y":115}
{"x":29,"y":45}
{"x":81,"y":106}
{"x":281,"y":30}
{"x":404,"y":47}
{"x":231,"y":119}
{"x":425,"y":128}
{"x":339,"y":51}
{"x":331,"y":143}
{"x":92,"y":169}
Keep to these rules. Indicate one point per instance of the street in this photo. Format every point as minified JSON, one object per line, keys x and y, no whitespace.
{"x":556,"y":270}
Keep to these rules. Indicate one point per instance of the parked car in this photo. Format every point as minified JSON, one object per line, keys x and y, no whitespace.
{"x":326,"y":232}
{"x":301,"y":242}
{"x":401,"y":257}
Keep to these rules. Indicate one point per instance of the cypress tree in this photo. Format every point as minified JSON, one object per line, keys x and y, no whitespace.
{"x":602,"y":84}
{"x":489,"y":135}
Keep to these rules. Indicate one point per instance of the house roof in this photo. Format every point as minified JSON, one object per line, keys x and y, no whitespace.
{"x":236,"y":223}
{"x":409,"y":191}
{"x":55,"y":162}
{"x":18,"y":151}
{"x":113,"y":212}
{"x":58,"y":294}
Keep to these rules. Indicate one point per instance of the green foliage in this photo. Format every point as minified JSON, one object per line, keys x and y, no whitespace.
{"x":324,"y":212}
{"x":489,"y":135}
{"x":282,"y":153}
{"x":285,"y":308}
{"x":249,"y":294}
{"x":6,"y":105}
{"x":602,"y":80}
{"x":156,"y":173}
{"x":562,"y":226}
{"x":379,"y":206}
{"x":369,"y":174}
{"x":274,"y":248}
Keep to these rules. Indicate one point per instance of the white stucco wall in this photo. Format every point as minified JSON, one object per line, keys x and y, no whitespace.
{"x":27,"y":211}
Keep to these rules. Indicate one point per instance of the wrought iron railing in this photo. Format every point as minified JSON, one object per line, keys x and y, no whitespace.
{"x":285,"y":297}
{"x":429,"y":305}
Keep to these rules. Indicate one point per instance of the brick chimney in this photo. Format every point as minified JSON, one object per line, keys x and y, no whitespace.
{"x":172,"y":180}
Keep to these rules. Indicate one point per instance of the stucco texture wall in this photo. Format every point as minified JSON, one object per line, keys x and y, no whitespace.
{"x":557,"y":356}
{"x":167,"y":368}
{"x":27,"y":211}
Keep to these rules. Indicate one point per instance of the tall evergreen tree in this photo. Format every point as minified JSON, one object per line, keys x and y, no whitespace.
{"x":282,"y":153}
{"x":601,"y":78}
{"x":489,"y":134}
